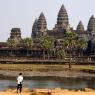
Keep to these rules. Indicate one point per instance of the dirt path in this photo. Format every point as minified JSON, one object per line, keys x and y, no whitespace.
{"x":52,"y":92}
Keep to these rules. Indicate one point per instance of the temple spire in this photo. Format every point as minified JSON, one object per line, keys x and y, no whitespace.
{"x":91,"y":24}
{"x":80,"y":27}
{"x":15,"y":33}
{"x":62,"y":19}
{"x":62,"y":7}
{"x":34,"y":29}
{"x":42,"y":24}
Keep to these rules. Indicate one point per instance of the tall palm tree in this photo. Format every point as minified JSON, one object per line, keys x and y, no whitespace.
{"x":12,"y":43}
{"x":47,"y":43}
{"x":81,"y":45}
{"x":69,"y":42}
{"x":60,"y":53}
{"x":28,"y":43}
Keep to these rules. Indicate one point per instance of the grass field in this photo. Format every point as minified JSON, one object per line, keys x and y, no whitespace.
{"x":37,"y":67}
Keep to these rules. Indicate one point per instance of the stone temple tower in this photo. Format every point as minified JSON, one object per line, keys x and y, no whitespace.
{"x":91,"y":24}
{"x":34,"y":29}
{"x":41,"y":25}
{"x":91,"y":28}
{"x":81,"y":31}
{"x":15,"y":34}
{"x":80,"y":27}
{"x":62,"y":19}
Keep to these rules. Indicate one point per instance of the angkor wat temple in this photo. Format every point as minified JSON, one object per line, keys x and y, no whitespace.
{"x":40,"y":29}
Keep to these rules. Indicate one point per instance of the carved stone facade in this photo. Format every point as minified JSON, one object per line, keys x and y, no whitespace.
{"x":91,"y":28}
{"x":15,"y":34}
{"x":40,"y":27}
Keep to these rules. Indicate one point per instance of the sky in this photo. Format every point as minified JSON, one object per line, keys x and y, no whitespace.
{"x":22,"y":14}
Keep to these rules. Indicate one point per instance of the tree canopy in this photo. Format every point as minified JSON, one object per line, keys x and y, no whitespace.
{"x":11,"y":42}
{"x":47,"y":42}
{"x":28,"y":42}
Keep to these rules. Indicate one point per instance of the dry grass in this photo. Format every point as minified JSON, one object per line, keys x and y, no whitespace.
{"x":43,"y":67}
{"x":35,"y":93}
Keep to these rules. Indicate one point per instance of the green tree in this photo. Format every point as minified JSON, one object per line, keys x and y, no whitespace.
{"x":47,"y":43}
{"x":60,"y":53}
{"x":69,"y":42}
{"x":28,"y":42}
{"x":81,"y":45}
{"x":11,"y":43}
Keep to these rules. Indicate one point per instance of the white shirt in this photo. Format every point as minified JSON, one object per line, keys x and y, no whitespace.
{"x":20,"y":79}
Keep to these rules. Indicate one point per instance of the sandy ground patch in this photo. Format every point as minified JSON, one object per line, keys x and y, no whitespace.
{"x":52,"y":92}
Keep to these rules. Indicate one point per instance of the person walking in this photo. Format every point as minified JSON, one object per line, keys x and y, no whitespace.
{"x":19,"y":82}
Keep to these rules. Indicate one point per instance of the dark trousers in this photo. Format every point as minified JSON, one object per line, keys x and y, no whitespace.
{"x":19,"y":87}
